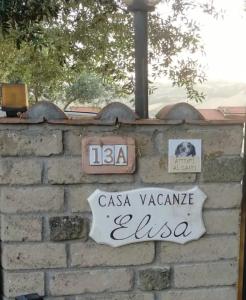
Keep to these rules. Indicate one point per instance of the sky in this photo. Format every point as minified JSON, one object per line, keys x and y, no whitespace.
{"x":225,"y":46}
{"x":225,"y":41}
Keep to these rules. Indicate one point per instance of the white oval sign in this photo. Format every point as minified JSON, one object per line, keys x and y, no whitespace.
{"x":148,"y":214}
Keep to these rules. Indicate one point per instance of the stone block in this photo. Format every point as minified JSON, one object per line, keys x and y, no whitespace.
{"x":222,"y":169}
{"x":32,"y":199}
{"x":116,"y":178}
{"x":30,"y":142}
{"x":154,"y":279}
{"x":155,"y":170}
{"x":73,"y":141}
{"x":117,"y":296}
{"x":144,"y":144}
{"x":69,"y":171}
{"x":90,"y":281}
{"x":105,"y":127}
{"x":33,"y":256}
{"x":219,"y":196}
{"x":20,"y":171}
{"x":21,"y":228}
{"x":57,"y":298}
{"x":23,"y":283}
{"x":77,"y":197}
{"x":64,"y":170}
{"x":68,"y":228}
{"x":206,"y":274}
{"x":211,"y":293}
{"x":215,"y":141}
{"x":91,"y":254}
{"x":222,"y":222}
{"x":205,"y":249}
{"x":214,"y":138}
{"x":223,"y":195}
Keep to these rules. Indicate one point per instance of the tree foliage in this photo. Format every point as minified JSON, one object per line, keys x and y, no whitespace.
{"x":61,"y":39}
{"x":26,"y":16}
{"x":87,"y":88}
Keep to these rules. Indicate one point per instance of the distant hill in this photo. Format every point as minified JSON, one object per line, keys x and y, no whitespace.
{"x":218,"y":93}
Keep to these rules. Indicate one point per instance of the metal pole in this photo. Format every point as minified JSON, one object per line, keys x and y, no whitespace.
{"x":141,"y":63}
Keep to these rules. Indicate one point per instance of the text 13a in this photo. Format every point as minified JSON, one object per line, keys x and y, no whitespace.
{"x":116,"y":155}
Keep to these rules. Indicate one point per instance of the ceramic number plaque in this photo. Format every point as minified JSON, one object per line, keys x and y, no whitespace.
{"x":184,"y":156}
{"x":108,"y":155}
{"x":149,"y":214}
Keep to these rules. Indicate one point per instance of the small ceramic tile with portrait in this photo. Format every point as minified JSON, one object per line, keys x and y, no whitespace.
{"x":184,"y":155}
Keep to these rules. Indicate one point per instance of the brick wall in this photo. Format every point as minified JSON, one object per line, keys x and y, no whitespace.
{"x":45,"y":217}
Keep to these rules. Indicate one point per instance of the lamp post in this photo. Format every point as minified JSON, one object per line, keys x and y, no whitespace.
{"x":140,"y":9}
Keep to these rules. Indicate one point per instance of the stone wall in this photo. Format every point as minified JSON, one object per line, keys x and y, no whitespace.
{"x":45,"y":217}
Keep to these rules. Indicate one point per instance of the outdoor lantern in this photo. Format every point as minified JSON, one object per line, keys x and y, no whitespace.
{"x":14,"y":98}
{"x":140,"y":9}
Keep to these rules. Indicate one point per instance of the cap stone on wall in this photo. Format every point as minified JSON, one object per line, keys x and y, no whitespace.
{"x":117,"y":111}
{"x":44,"y":110}
{"x":179,"y":111}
